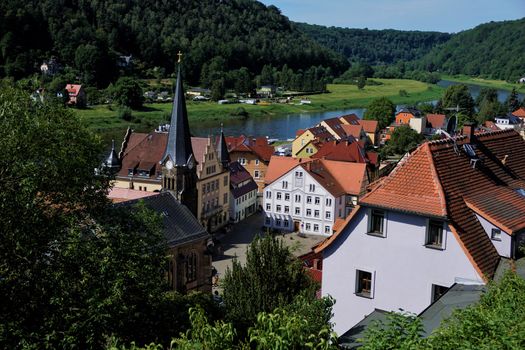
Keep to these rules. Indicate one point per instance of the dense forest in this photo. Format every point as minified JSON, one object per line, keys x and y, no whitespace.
{"x":89,"y":36}
{"x":491,"y":50}
{"x":375,"y":47}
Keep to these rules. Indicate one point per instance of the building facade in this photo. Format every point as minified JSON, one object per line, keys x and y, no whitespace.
{"x":243,"y":193}
{"x":309,"y":197}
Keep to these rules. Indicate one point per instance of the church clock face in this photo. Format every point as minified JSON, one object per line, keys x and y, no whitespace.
{"x":169,"y":164}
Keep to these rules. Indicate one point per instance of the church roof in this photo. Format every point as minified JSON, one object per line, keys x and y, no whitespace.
{"x":180,"y":226}
{"x":179,"y":148}
{"x":112,"y":160}
{"x":222,"y":150}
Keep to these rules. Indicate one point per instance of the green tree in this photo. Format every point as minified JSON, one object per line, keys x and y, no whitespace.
{"x":243,"y":83}
{"x":361,"y":82}
{"x":382,"y":110}
{"x":487,"y":94}
{"x":488,"y":110}
{"x":128,"y":92}
{"x":401,"y":331}
{"x":271,"y":277}
{"x":218,"y":90}
{"x":458,"y":96}
{"x":512,"y":102}
{"x":74,"y":268}
{"x":402,"y":140}
{"x":266,"y":77}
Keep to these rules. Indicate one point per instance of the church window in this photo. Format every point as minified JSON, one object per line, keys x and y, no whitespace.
{"x":191,"y":267}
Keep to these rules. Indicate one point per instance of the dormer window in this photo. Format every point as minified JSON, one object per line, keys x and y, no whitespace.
{"x":434,"y":237}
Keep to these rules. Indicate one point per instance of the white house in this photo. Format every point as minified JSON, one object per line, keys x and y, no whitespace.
{"x":243,"y":193}
{"x":445,"y":215}
{"x":308,"y":196}
{"x":509,"y":121}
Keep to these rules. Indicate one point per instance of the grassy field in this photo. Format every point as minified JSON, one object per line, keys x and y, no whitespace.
{"x":104,"y":120}
{"x":497,"y":84}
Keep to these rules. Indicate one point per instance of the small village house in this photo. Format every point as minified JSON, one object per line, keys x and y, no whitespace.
{"x":243,"y":193}
{"x":77,"y":95}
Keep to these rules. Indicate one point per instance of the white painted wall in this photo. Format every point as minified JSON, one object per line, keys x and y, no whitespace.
{"x":504,"y":246}
{"x":239,"y":207}
{"x":404,"y":269}
{"x":301,"y":188}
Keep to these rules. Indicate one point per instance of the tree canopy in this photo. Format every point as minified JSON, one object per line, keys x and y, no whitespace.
{"x":402,"y":140}
{"x":382,"y":110}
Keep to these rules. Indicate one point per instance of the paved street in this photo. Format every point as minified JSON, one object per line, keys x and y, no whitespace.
{"x":235,"y":242}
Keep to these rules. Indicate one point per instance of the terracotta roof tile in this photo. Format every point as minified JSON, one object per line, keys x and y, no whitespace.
{"x":350,"y":119}
{"x":258,"y":146}
{"x":436,"y":121}
{"x":352,"y":130}
{"x":279,"y":166}
{"x":346,"y":151}
{"x":369,"y":126}
{"x":520,"y":112}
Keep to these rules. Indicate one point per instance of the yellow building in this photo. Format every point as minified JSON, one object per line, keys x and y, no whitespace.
{"x":304,"y":137}
{"x":309,"y":149}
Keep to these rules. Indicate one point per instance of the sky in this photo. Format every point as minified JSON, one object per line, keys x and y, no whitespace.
{"x":428,"y":15}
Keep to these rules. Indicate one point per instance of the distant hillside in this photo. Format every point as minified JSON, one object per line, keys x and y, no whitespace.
{"x":375,"y":47}
{"x":89,"y":35}
{"x":492,"y":50}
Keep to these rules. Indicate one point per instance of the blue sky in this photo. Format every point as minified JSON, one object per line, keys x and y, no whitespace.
{"x":438,"y":15}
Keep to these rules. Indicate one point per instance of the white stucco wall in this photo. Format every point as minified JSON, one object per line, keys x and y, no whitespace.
{"x":403,"y":268}
{"x":239,"y":207}
{"x":294,"y":188}
{"x":503,"y":246}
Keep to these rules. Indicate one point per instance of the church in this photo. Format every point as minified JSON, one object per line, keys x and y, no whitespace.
{"x":166,"y":163}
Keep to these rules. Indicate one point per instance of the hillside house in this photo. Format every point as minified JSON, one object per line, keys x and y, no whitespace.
{"x":77,"y":95}
{"x":445,"y":215}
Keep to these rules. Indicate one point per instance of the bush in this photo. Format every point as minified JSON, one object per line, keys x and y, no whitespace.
{"x":403,"y":93}
{"x":239,"y":112}
{"x":125,"y":114}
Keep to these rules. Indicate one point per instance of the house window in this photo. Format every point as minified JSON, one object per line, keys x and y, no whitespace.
{"x":285,"y":184}
{"x":327,"y":229}
{"x":376,"y":224}
{"x":286,"y":196}
{"x":297,"y":211}
{"x":225,"y":198}
{"x":308,"y":226}
{"x":438,"y":291}
{"x":434,"y":234}
{"x":309,"y":199}
{"x":297,"y":198}
{"x":268,"y":194}
{"x":316,"y":213}
{"x":328,"y":215}
{"x":278,"y":222}
{"x":316,"y":228}
{"x":267,"y":220}
{"x":363,"y":286}
{"x":286,"y":209}
{"x":278,"y":208}
{"x":298,"y":174}
{"x":225,"y":183}
{"x":279,"y":195}
{"x":312,"y":188}
{"x":256,"y":174}
{"x":257,"y":162}
{"x":328,"y":201}
{"x":286,"y":223}
{"x":268,"y":207}
{"x":496,"y":234}
{"x":242,"y":161}
{"x":317,"y":200}
{"x":308,"y":212}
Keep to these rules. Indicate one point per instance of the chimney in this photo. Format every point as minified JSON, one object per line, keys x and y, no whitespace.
{"x":468,"y":131}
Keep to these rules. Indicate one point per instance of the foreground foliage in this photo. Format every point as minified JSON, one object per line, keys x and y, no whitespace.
{"x":497,"y":321}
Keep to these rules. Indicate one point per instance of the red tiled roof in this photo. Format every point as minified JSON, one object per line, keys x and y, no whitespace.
{"x":346,"y":151}
{"x":413,"y":186}
{"x":520,"y":112}
{"x":258,"y":146}
{"x":502,"y":206}
{"x":320,"y":133}
{"x":299,"y":132}
{"x":73,"y":89}
{"x":118,"y":195}
{"x":436,"y":121}
{"x":491,"y":126}
{"x":336,"y":125}
{"x":279,"y":166}
{"x":350,"y":119}
{"x":373,"y":157}
{"x":369,"y":126}
{"x":352,"y":130}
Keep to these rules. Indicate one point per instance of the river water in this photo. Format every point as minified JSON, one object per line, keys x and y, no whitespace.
{"x":284,"y":127}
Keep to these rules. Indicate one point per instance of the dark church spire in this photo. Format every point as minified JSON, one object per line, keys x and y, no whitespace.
{"x":112,"y":161}
{"x":224,"y":155}
{"x":178,"y":150}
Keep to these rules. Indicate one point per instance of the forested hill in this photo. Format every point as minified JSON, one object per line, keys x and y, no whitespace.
{"x":89,"y":34}
{"x":494,"y":50}
{"x":375,"y":47}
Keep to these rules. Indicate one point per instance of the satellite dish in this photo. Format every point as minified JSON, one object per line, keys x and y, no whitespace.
{"x":452,"y":125}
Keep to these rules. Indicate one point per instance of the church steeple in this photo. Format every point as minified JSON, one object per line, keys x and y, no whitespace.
{"x":222,"y":149}
{"x":179,"y":174}
{"x":178,"y":150}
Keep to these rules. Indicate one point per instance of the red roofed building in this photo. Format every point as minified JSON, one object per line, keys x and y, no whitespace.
{"x":77,"y":95}
{"x":520,"y":113}
{"x":371,"y":128}
{"x":436,"y":122}
{"x":308,"y":196}
{"x":253,"y":154}
{"x":243,"y":193}
{"x":445,"y":215}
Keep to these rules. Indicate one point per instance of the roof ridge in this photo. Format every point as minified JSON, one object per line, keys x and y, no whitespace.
{"x":437,"y":180}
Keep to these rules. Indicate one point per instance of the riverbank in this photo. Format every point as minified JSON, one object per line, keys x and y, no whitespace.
{"x":496,"y":84}
{"x":103,"y":119}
